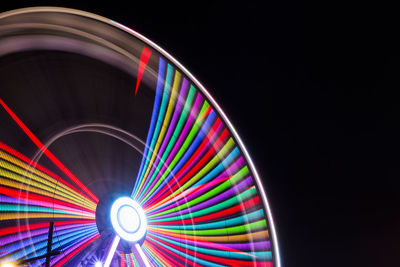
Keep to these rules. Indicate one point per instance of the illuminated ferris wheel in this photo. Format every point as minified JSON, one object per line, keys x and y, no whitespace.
{"x":113,"y":154}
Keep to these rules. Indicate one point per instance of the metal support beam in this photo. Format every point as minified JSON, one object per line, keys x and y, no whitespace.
{"x":49,"y":244}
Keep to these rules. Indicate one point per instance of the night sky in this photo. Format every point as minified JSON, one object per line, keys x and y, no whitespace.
{"x":311,"y":90}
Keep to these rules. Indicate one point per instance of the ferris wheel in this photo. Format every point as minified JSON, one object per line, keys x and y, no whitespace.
{"x":113,"y":154}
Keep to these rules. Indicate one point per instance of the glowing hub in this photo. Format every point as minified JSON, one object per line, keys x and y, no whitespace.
{"x":128,"y":219}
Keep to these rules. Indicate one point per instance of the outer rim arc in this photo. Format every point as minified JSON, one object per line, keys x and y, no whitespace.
{"x":192,"y":78}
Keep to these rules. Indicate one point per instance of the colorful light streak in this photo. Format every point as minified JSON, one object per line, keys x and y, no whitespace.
{"x":199,"y":195}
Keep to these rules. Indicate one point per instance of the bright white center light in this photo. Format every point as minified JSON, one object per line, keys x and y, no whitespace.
{"x":128,"y":219}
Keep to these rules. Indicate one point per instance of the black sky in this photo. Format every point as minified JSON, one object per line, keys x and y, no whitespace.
{"x":311,"y":89}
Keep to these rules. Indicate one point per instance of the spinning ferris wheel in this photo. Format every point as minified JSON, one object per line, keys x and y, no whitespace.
{"x":112,"y":143}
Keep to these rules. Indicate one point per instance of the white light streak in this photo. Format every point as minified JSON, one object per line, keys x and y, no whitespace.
{"x":112,"y":251}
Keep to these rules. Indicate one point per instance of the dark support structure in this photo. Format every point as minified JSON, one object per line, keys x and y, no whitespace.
{"x":49,"y":244}
{"x":49,"y":253}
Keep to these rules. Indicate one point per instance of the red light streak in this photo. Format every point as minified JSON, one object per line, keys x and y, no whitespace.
{"x":47,"y":152}
{"x":144,"y":58}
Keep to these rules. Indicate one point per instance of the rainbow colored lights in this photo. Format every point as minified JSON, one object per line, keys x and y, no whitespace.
{"x":201,"y":201}
{"x":30,"y":197}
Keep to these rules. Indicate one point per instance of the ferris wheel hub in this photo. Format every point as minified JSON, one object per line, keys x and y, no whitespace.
{"x":128,"y":219}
